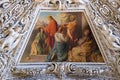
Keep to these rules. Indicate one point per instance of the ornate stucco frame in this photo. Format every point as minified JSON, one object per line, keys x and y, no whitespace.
{"x":99,"y":24}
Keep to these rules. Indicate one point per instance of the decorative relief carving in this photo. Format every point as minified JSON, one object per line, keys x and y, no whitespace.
{"x":12,"y":30}
{"x":115,"y":4}
{"x":63,"y":71}
{"x":106,"y":23}
{"x":105,"y":10}
{"x":87,"y":70}
{"x":4,"y":4}
{"x":50,"y":4}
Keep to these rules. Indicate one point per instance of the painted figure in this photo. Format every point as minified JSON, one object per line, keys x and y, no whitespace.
{"x":61,"y":46}
{"x":38,"y":44}
{"x":85,"y":48}
{"x":65,"y":37}
{"x":71,"y":28}
{"x":50,"y":30}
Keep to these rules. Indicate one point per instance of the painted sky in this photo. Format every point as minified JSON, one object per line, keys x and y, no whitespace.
{"x":55,"y":15}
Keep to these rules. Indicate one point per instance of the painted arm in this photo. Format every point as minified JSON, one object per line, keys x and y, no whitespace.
{"x":69,"y":34}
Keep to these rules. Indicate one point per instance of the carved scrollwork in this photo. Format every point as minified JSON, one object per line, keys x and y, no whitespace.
{"x":54,"y":68}
{"x":61,"y":4}
{"x":71,"y":4}
{"x":105,"y":10}
{"x":118,"y":64}
{"x":115,"y":4}
{"x":105,"y":20}
{"x":74,"y":4}
{"x":40,"y":71}
{"x":107,"y":24}
{"x":108,"y":28}
{"x":106,"y":31}
{"x":5,"y":4}
{"x":50,"y":4}
{"x":85,"y":70}
{"x":12,"y":29}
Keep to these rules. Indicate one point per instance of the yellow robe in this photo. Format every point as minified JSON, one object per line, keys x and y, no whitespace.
{"x":79,"y":53}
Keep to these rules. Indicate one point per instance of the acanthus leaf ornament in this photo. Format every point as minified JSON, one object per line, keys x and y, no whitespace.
{"x":110,"y":32}
{"x":105,"y":23}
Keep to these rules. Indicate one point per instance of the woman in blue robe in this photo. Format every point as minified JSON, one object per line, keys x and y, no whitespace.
{"x":60,"y":48}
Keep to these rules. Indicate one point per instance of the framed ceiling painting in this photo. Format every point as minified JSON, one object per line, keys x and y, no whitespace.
{"x":64,"y":39}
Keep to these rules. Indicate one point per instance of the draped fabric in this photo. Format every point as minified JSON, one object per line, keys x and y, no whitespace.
{"x":38,"y":44}
{"x":51,"y":29}
{"x":60,"y":50}
{"x":79,"y":53}
{"x":86,"y":52}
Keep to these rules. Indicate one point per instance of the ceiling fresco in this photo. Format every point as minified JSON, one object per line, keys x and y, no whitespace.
{"x":59,"y":39}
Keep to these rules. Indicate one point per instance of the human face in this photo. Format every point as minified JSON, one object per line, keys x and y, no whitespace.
{"x":86,"y":32}
{"x":72,"y":18}
{"x":49,"y":19}
{"x":41,"y":30}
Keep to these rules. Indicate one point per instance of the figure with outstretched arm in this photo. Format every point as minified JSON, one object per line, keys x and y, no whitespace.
{"x":71,"y":28}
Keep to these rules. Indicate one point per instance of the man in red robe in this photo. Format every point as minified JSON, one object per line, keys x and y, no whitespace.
{"x":50,"y":30}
